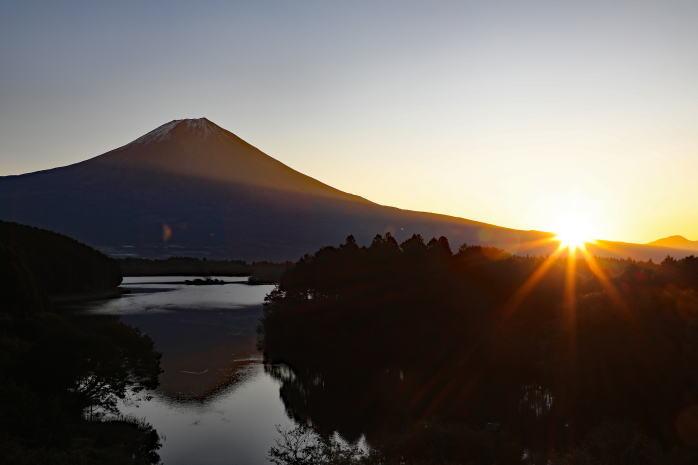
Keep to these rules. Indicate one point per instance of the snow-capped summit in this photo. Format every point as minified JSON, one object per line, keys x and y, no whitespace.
{"x":199,"y":126}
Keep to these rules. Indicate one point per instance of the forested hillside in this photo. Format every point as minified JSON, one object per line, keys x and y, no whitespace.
{"x":60,"y":264}
{"x":478,"y":355}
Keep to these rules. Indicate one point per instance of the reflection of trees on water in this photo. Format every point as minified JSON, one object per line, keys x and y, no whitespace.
{"x":204,"y":353}
{"x":412,"y":346}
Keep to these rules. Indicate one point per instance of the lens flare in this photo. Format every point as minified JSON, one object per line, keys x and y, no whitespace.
{"x":573,"y":232}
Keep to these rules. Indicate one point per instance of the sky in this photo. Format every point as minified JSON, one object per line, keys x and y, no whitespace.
{"x":526,"y":114}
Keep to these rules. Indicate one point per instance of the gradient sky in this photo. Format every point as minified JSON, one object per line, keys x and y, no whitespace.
{"x":517,"y":113}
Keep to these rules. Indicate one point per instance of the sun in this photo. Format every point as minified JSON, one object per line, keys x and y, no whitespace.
{"x":573,"y":232}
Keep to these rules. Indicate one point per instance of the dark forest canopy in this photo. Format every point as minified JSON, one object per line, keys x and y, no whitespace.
{"x":190,"y":266}
{"x":571,"y":360}
{"x":182,"y":266}
{"x":59,"y":264}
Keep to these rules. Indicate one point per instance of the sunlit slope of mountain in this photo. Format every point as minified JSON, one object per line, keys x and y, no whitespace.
{"x":190,"y":187}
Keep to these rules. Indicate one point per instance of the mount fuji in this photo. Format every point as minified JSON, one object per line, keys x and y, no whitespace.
{"x":190,"y":187}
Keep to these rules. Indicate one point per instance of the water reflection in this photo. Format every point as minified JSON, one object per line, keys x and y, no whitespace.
{"x":234,"y":426}
{"x":161,"y":294}
{"x":215,"y":404}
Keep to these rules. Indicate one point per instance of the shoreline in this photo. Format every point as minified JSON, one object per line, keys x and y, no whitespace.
{"x":61,"y":299}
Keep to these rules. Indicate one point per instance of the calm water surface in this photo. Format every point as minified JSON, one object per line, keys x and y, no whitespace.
{"x":215,"y":403}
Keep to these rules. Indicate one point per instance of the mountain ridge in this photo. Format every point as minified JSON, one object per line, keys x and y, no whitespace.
{"x":676,"y":241}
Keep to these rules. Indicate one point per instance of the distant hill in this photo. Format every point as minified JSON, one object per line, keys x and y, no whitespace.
{"x":46,"y":264}
{"x":676,"y":242}
{"x":191,"y":188}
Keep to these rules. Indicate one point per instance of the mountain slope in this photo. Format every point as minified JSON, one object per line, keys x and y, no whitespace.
{"x":201,"y":149}
{"x":190,"y":187}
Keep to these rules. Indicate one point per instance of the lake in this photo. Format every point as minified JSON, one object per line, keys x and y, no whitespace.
{"x":215,"y":404}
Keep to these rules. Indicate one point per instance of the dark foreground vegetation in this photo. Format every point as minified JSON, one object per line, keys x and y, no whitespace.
{"x":482,"y":357}
{"x":61,"y":375}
